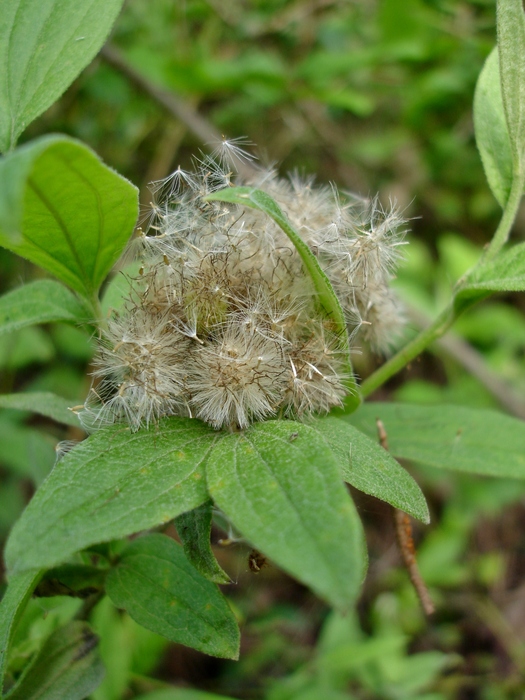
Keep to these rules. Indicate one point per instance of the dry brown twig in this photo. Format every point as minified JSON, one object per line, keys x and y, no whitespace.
{"x":405,"y":541}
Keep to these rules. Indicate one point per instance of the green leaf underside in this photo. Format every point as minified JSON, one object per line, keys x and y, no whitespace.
{"x":194,"y":528}
{"x":450,"y":437}
{"x":257,"y":199}
{"x":370,"y":468}
{"x":42,"y":301}
{"x":64,"y":210}
{"x":492,"y":136}
{"x":280,"y":486}
{"x":68,"y":667}
{"x":511,"y":49}
{"x":44,"y":46}
{"x":113,"y":484}
{"x":506,"y":273}
{"x":44,"y":403}
{"x":12,"y":605}
{"x":163,"y":592}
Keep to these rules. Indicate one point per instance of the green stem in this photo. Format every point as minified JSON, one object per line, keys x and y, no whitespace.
{"x":509,"y":214}
{"x":98,"y":314}
{"x":416,"y":346}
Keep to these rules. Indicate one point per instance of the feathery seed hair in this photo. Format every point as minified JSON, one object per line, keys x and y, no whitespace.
{"x":222,"y":322}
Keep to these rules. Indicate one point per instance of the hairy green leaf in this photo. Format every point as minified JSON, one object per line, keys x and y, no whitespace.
{"x":68,"y":667}
{"x":42,"y":402}
{"x":490,"y":125}
{"x":42,"y":301}
{"x":257,"y":199}
{"x":12,"y":606}
{"x":279,"y":484}
{"x":111,"y":485}
{"x":44,"y":45}
{"x":511,"y":49}
{"x":162,"y":591}
{"x":194,"y":528}
{"x":370,"y":468}
{"x":450,"y":437}
{"x":64,"y":210}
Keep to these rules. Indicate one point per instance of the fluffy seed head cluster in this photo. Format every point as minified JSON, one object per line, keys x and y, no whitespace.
{"x":222,"y":322}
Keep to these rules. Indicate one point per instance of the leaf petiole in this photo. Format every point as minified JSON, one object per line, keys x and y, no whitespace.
{"x":507,"y":220}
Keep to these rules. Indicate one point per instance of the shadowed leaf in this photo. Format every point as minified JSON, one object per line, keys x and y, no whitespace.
{"x":162,"y":591}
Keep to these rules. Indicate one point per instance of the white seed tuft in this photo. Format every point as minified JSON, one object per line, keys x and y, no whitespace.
{"x":222,"y":322}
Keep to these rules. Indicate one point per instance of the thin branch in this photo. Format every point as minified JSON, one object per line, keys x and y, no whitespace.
{"x":405,"y":541}
{"x":87,"y":606}
{"x":474,"y":362}
{"x":174,"y":104}
{"x":408,"y":552}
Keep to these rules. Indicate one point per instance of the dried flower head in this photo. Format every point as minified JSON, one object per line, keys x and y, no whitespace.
{"x":222,"y":323}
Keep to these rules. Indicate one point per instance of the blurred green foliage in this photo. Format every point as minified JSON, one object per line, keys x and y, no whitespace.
{"x":375,"y":96}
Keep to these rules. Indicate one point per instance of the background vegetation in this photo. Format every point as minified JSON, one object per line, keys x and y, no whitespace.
{"x":377,"y":97}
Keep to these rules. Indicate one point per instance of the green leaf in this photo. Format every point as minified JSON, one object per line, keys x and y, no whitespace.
{"x":181,"y":694}
{"x":161,"y":590}
{"x":490,"y":125}
{"x":111,"y":485}
{"x":194,"y":528}
{"x":44,"y":45}
{"x":279,"y":484}
{"x":42,"y":402}
{"x":511,"y":49}
{"x":27,"y":451}
{"x":25,"y":347}
{"x":257,"y":199}
{"x":505,"y":273}
{"x":67,"y":667}
{"x":43,"y":301}
{"x":370,"y":468}
{"x":117,"y":649}
{"x":12,"y":606}
{"x":64,"y":210}
{"x":450,"y":437}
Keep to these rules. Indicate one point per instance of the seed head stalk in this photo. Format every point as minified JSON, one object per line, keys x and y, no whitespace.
{"x":414,"y":348}
{"x":449,"y":315}
{"x":509,"y":215}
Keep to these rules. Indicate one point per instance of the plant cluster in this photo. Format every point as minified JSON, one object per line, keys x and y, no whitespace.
{"x":245,"y":306}
{"x":223,"y":322}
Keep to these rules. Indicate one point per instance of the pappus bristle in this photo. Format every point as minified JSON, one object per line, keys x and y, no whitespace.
{"x":236,"y":378}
